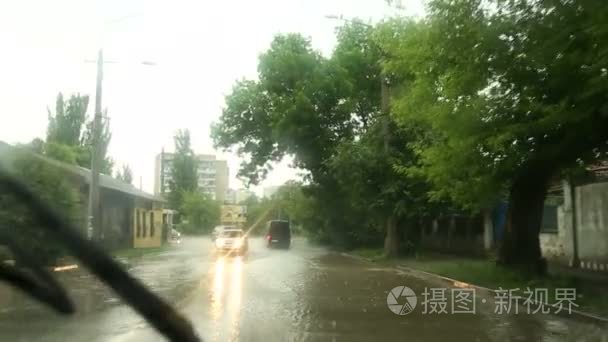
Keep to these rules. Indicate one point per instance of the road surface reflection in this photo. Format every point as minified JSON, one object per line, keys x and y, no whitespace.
{"x":226,"y":295}
{"x":304,"y":294}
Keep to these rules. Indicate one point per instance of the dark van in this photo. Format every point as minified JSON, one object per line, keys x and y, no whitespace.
{"x":279,"y":234}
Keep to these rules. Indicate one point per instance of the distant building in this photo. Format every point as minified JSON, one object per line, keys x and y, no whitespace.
{"x":162,"y":172}
{"x":243,"y":194}
{"x":212,"y":175}
{"x":230,"y":196}
{"x":270,"y":190}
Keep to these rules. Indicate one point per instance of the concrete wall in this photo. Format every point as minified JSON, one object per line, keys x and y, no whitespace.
{"x":592,"y":222}
{"x":592,"y":229}
{"x":221,"y":180}
{"x":454,"y":234}
{"x":557,"y":246}
{"x":552,"y":247}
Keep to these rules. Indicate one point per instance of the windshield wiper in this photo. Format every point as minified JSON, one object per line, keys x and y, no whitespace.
{"x":41,"y":285}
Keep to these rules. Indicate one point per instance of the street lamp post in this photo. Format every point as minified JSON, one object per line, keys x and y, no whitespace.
{"x":94,"y":229}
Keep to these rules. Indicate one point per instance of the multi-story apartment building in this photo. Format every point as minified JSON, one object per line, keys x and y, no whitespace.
{"x":212,"y":175}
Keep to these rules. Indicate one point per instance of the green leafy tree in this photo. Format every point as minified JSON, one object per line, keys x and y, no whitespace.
{"x":52,"y":186}
{"x":201,"y":212}
{"x":510,"y":94}
{"x":303,"y":105}
{"x":36,"y":146}
{"x":61,"y":152}
{"x":290,"y":202}
{"x":184,"y":176}
{"x":68,"y":127}
{"x":378,"y":186}
{"x":125,"y":174}
{"x":86,"y":146}
{"x":297,"y":108}
{"x":65,"y":126}
{"x":259,"y":211}
{"x":317,"y":109}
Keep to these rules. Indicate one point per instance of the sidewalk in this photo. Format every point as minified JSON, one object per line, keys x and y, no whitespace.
{"x":485,"y":275}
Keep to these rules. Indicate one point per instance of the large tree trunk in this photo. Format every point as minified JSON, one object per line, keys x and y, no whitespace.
{"x":391,"y":240}
{"x":488,"y":230}
{"x":520,"y":248}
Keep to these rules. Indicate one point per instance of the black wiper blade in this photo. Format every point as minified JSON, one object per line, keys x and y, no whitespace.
{"x":158,"y":313}
{"x":32,"y":278}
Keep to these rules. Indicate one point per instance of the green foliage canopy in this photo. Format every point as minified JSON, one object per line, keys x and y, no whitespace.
{"x":201,"y":212}
{"x":184,"y":176}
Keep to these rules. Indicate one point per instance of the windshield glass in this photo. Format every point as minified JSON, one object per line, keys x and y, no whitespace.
{"x":308,"y":170}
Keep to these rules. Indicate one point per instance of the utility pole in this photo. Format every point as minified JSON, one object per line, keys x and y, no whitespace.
{"x":385,"y":108}
{"x":572,"y":187}
{"x":391,"y":241}
{"x":94,"y":229}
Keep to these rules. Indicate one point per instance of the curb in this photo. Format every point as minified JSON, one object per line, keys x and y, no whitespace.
{"x":457,"y":283}
{"x":461,"y":284}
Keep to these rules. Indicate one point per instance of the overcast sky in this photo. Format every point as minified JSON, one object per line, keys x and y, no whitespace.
{"x":200,"y":48}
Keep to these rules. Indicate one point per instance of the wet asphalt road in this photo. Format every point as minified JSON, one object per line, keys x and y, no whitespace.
{"x":303,"y":294}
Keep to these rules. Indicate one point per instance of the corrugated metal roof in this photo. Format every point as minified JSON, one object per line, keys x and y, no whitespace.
{"x":105,"y":181}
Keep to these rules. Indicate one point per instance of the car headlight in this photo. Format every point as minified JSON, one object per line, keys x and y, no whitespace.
{"x":238,"y":243}
{"x":219,"y":242}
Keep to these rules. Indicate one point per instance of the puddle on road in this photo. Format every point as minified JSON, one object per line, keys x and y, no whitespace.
{"x":344,"y":300}
{"x":302,"y":295}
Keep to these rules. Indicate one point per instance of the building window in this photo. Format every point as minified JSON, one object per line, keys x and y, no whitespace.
{"x":549,"y":222}
{"x":152,"y":228}
{"x":145,"y":228}
{"x":137,"y":224}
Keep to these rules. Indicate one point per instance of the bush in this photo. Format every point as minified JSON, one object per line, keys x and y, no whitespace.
{"x":201,"y":213}
{"x":51,"y":185}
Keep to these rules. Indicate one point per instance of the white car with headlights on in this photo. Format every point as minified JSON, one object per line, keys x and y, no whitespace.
{"x":231,"y":242}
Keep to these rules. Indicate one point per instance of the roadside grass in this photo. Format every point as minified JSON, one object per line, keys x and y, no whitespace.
{"x":373,"y":254}
{"x":590,"y":295}
{"x":485,"y":272}
{"x":129,"y":253}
